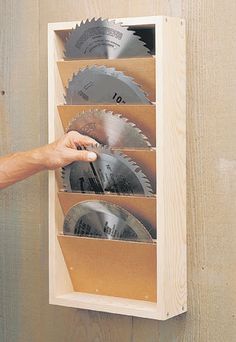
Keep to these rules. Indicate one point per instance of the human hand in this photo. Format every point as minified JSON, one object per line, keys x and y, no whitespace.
{"x":64,"y":151}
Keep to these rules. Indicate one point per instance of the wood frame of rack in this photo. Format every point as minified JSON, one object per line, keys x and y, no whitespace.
{"x":170,"y":202}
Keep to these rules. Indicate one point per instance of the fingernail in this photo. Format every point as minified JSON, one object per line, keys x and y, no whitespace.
{"x":92,"y":156}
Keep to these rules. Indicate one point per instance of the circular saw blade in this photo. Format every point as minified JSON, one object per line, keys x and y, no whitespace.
{"x":112,"y":172}
{"x":109,"y":129}
{"x":105,"y":220}
{"x":98,"y":84}
{"x":103,"y":38}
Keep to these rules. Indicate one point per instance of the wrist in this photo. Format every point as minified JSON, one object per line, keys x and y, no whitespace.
{"x":39,"y":158}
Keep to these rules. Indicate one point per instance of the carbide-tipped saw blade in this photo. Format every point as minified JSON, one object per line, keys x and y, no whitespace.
{"x":98,"y":84}
{"x":104,"y":220}
{"x":109,"y":129}
{"x":112,"y":172}
{"x":103,"y":39}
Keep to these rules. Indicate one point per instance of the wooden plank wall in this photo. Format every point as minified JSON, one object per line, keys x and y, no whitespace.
{"x":25,"y":315}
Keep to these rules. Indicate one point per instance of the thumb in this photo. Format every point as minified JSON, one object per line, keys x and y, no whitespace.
{"x":86,"y":156}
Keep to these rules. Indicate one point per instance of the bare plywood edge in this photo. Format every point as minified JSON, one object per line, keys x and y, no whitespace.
{"x":144,"y":116}
{"x":141,"y":69}
{"x":112,"y":268}
{"x":144,"y":208}
{"x":170,"y":136}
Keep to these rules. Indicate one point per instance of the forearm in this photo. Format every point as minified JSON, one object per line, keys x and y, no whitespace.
{"x":20,"y":165}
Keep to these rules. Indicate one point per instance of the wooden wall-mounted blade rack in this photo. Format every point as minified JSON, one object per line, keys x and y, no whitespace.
{"x":132,"y":278}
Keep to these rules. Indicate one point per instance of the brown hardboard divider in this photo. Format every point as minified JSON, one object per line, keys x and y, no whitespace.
{"x":116,"y":268}
{"x":142,"y":115}
{"x":142,"y":69}
{"x":145,"y":159}
{"x":143,"y":208}
{"x":164,"y":78}
{"x":107,"y":267}
{"x":111,"y":267}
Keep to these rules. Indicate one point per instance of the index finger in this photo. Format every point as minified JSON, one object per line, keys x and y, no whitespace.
{"x":80,"y":139}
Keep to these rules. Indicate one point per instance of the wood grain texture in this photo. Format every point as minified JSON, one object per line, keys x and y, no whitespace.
{"x":171,"y":166}
{"x":171,"y":178}
{"x":211,"y":126}
{"x":56,"y":262}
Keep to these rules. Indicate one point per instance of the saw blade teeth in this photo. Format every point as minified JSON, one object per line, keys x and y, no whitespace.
{"x":120,"y":23}
{"x":100,"y":68}
{"x":64,"y":183}
{"x":124,"y":161}
{"x":101,"y":213}
{"x":83,"y":45}
{"x":145,"y":138}
{"x":81,"y":70}
{"x":94,"y":146}
{"x":109,"y":124}
{"x":111,"y":70}
{"x":106,"y":148}
{"x":93,"y":72}
{"x":116,"y":114}
{"x":138,"y":169}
